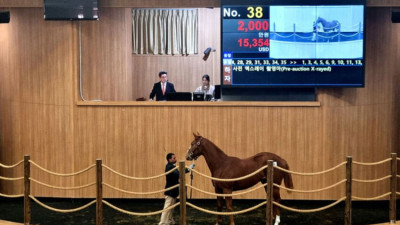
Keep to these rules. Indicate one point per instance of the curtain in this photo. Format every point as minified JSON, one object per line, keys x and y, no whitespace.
{"x":164,"y":31}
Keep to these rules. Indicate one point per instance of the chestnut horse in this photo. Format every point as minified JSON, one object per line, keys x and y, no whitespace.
{"x":227,"y":167}
{"x":327,"y":26}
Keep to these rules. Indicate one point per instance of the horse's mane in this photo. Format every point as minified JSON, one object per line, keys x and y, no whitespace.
{"x":320,"y":19}
{"x":215,"y":146}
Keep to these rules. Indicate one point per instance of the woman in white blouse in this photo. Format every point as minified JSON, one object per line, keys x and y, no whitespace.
{"x":206,"y":87}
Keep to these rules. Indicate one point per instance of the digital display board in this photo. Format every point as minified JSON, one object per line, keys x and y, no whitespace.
{"x":71,"y":10}
{"x":293,"y":43}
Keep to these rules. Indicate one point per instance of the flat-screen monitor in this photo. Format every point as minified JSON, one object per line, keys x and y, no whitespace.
{"x":217,"y":92}
{"x":71,"y":10}
{"x":292,"y":43}
{"x":198,"y":96}
{"x":179,"y":96}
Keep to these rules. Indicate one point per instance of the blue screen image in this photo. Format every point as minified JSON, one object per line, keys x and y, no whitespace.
{"x":275,"y":44}
{"x":317,"y":32}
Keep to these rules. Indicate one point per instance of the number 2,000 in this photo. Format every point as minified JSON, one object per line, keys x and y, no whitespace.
{"x":253,"y":25}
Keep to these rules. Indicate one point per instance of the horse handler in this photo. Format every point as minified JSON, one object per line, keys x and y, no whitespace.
{"x":171,"y":195}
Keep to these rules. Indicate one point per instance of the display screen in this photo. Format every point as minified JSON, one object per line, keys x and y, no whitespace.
{"x":71,"y":10}
{"x":301,"y":43}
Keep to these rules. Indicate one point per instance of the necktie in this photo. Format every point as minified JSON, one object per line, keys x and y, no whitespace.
{"x":163,"y":88}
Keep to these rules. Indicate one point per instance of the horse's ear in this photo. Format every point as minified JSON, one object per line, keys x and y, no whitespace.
{"x":198,"y":134}
{"x":194,"y":135}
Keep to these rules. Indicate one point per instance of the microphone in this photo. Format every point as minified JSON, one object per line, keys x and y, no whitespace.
{"x":205,"y":91}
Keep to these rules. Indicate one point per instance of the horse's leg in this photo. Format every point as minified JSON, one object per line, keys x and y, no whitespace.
{"x":229,"y":207}
{"x":219,"y":209}
{"x":264,"y":181}
{"x":277,"y":209}
{"x":219,"y":206}
{"x":314,"y":37}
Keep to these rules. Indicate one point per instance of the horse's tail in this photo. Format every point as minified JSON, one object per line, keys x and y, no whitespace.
{"x":287,"y":178}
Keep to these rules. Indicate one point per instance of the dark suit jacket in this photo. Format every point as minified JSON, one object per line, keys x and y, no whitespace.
{"x":158,"y":92}
{"x":172,"y":179}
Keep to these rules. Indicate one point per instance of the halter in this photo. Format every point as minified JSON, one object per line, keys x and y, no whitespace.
{"x":199,"y":142}
{"x":197,"y":146}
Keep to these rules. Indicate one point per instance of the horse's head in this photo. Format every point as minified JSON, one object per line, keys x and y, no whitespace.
{"x":195,"y":148}
{"x":318,"y":26}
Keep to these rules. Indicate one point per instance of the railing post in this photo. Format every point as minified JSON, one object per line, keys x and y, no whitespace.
{"x":27,"y":190}
{"x":182,"y":193}
{"x":347,"y":215}
{"x":294,"y":32}
{"x":99,"y":192}
{"x":270,"y":182}
{"x":393,"y":188}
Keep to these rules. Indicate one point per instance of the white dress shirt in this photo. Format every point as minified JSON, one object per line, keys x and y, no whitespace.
{"x":210,"y":90}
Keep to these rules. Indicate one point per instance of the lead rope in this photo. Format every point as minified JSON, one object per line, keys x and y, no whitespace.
{"x":191,"y":181}
{"x":191,"y":171}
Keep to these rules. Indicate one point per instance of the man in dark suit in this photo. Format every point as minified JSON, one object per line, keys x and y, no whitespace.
{"x":160,"y":89}
{"x":172,"y":179}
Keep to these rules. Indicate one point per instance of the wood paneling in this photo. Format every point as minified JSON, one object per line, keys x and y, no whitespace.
{"x":385,"y":3}
{"x":106,"y":52}
{"x":39,"y":115}
{"x":124,"y":3}
{"x":21,"y":3}
{"x":160,"y":4}
{"x":37,"y":91}
{"x":164,"y":4}
{"x":112,"y":72}
{"x":200,"y":103}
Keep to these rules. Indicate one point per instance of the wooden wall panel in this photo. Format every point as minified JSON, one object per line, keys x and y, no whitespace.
{"x":21,"y":3}
{"x":299,"y":135}
{"x":38,"y":114}
{"x":124,"y":3}
{"x":160,"y":4}
{"x":5,"y":113}
{"x":37,"y":96}
{"x":106,"y":50}
{"x":40,"y":47}
{"x":164,"y":4}
{"x":4,"y":56}
{"x":112,"y":72}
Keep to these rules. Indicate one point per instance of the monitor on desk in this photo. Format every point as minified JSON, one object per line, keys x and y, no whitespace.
{"x":179,"y":96}
{"x":198,"y":96}
{"x":217,"y":92}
